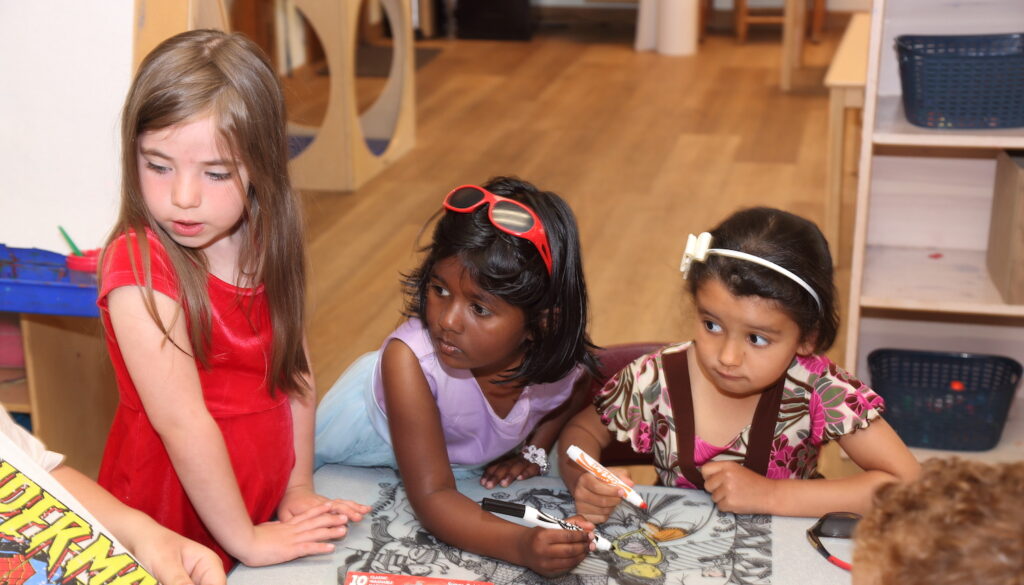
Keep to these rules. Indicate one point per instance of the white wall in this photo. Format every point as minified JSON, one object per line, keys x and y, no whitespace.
{"x":65,"y":67}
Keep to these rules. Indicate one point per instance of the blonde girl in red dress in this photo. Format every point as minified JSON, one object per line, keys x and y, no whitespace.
{"x":202,"y":298}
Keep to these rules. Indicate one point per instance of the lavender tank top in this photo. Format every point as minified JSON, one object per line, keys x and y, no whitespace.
{"x":474,"y":434}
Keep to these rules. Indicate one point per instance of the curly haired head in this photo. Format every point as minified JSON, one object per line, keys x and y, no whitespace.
{"x":960,"y":522}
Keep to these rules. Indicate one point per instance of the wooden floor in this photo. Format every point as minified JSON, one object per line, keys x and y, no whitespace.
{"x":646,"y":149}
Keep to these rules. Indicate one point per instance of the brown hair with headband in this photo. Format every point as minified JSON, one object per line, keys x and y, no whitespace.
{"x":788,"y":241}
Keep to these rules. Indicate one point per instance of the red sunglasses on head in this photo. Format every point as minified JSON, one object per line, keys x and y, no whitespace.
{"x":833,"y":525}
{"x":508,"y":215}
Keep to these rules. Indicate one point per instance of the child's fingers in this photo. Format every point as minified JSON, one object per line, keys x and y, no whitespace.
{"x":353,"y":510}
{"x":528,"y":470}
{"x":582,"y":522}
{"x":205,"y":572}
{"x":623,"y":474}
{"x":172,"y":574}
{"x":320,"y":533}
{"x":561,"y":550}
{"x":305,"y":549}
{"x":503,"y":475}
{"x":278,"y":542}
{"x":493,"y":475}
{"x":592,"y":485}
{"x":317,"y":516}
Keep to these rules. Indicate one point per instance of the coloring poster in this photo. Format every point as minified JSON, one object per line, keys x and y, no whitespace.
{"x":683,"y":538}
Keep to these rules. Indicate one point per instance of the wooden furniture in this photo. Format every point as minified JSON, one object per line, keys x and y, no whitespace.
{"x":71,"y":388}
{"x":68,"y":387}
{"x":157,"y":20}
{"x":845,"y":82}
{"x":339,"y":157}
{"x":918,"y":276}
{"x":794,"y":31}
{"x":743,"y":18}
{"x":1005,"y":257}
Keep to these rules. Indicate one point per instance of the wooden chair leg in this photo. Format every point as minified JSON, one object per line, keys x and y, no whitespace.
{"x":702,"y":19}
{"x":818,"y":13}
{"x":740,"y":18}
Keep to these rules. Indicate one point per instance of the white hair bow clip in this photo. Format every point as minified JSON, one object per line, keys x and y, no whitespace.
{"x":696,"y":249}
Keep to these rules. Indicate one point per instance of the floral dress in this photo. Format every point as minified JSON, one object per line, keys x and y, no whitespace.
{"x":821,"y":402}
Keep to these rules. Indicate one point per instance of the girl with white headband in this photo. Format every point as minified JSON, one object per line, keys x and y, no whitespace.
{"x":743,"y":410}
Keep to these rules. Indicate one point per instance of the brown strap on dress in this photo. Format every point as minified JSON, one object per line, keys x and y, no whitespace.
{"x":762,"y":428}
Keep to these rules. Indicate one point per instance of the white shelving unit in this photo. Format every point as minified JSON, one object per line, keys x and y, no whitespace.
{"x":924,"y":201}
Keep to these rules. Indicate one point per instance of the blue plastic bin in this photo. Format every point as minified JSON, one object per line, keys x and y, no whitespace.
{"x":39,"y":281}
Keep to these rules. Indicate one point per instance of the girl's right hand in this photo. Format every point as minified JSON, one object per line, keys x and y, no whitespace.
{"x":595,"y":499}
{"x":301,"y":535}
{"x":299,"y":499}
{"x":549,"y":552}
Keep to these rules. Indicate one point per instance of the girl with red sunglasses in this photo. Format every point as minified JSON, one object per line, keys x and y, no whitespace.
{"x":492,"y":361}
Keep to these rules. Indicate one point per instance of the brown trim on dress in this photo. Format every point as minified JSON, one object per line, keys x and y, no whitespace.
{"x":762,"y":428}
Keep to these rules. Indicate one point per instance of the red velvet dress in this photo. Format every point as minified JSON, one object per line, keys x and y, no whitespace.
{"x":257,"y":427}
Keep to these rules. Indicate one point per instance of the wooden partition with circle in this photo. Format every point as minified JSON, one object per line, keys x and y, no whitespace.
{"x":339,"y":156}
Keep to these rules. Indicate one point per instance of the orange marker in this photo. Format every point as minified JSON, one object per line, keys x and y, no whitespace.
{"x":601,"y":472}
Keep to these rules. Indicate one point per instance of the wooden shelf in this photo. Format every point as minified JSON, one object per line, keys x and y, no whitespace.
{"x":919,"y":278}
{"x":934,"y":279}
{"x":14,"y":390}
{"x":893,"y":128}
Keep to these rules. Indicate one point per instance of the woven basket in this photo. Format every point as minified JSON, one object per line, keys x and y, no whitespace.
{"x":952,"y":401}
{"x":966,"y":81}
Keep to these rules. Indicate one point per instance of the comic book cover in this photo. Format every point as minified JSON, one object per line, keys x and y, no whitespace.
{"x":47,"y":536}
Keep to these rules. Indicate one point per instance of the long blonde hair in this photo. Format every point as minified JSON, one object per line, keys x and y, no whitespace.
{"x":204,"y":72}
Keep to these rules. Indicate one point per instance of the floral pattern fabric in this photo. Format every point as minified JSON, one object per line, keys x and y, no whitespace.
{"x":821,"y":402}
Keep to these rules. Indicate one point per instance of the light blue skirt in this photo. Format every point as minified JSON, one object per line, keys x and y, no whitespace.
{"x":344,"y":431}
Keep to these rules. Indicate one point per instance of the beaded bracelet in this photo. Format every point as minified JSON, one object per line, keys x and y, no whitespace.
{"x":536,"y":455}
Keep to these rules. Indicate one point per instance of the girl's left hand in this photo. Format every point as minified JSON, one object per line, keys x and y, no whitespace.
{"x":736,"y":489}
{"x":508,"y":470}
{"x":297,"y":500}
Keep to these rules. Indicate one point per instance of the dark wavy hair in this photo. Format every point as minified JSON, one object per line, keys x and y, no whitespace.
{"x":793,"y":243}
{"x":511,"y":268}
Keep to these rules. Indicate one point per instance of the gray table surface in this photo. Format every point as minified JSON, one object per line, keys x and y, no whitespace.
{"x":686,"y":540}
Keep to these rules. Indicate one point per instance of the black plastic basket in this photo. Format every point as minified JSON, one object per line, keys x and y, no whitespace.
{"x":951,"y":401}
{"x":962,"y":81}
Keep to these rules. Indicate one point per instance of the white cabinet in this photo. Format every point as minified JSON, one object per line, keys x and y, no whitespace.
{"x":918,"y":277}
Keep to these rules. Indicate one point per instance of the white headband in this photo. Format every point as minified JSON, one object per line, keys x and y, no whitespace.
{"x":699,"y":248}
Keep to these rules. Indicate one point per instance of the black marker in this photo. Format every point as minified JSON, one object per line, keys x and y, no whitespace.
{"x":537,"y":518}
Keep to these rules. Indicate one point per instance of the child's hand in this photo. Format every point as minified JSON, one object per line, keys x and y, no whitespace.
{"x":736,"y":489}
{"x":595,"y":499}
{"x":508,"y":470}
{"x":299,"y":499}
{"x":176,"y":560}
{"x":302,"y":535}
{"x":550,"y":552}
